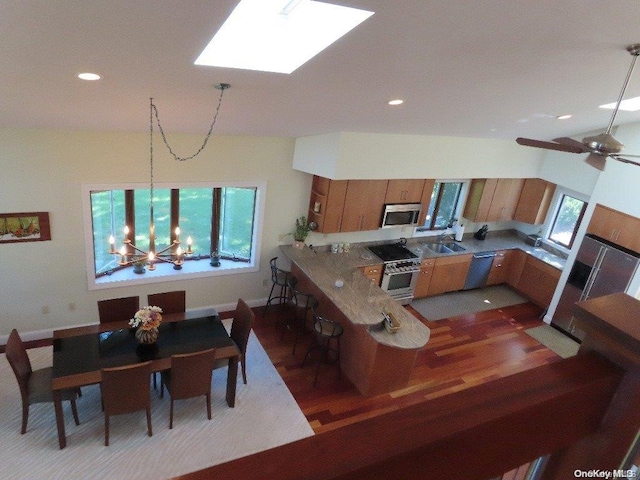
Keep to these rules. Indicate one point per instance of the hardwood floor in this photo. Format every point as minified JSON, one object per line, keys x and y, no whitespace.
{"x":462,"y":352}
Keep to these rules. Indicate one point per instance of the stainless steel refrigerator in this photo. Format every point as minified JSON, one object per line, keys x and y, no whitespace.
{"x":600,"y":268}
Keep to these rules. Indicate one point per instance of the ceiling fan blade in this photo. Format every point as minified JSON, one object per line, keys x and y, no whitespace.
{"x":529,"y":142}
{"x":596,"y":161}
{"x":571,"y":142}
{"x":623,"y":159}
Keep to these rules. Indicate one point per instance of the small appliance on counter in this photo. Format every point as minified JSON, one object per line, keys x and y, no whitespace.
{"x":481,"y":234}
{"x":535,"y":240}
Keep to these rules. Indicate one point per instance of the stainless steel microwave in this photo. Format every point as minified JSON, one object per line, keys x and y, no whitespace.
{"x":400,"y":215}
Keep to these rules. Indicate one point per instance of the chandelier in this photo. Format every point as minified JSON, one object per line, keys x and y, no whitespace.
{"x":129,"y":252}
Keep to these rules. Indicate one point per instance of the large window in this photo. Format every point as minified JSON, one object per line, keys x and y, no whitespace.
{"x":444,"y":205}
{"x":218,"y":219}
{"x":568,"y":214}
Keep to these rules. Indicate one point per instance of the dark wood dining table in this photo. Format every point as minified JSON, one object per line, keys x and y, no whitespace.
{"x":80,"y":352}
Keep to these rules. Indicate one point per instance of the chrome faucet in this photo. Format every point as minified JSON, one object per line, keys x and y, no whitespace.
{"x":443,"y":236}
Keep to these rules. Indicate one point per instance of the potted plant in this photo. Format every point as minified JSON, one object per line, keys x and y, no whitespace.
{"x":300,"y":233}
{"x":138,"y":266}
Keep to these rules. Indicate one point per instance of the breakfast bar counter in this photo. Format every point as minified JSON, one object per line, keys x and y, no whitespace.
{"x":375,"y":360}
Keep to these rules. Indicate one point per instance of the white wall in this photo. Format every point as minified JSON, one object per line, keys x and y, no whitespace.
{"x":44,"y":171}
{"x":377,"y":156}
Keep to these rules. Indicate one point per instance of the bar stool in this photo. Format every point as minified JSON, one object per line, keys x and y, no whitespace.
{"x":300,"y":305}
{"x":279,"y":280}
{"x":326,"y":332}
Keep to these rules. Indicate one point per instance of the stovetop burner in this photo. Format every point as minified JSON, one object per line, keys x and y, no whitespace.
{"x":392,"y":252}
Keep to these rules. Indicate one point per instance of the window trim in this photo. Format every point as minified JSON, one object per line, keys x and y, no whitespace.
{"x":423,"y":230}
{"x":165,"y":272}
{"x":556,"y":203}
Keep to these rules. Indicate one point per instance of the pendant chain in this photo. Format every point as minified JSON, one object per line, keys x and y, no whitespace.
{"x":154,"y":110}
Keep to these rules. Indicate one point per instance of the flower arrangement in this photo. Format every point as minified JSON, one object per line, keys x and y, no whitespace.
{"x":147,"y":318}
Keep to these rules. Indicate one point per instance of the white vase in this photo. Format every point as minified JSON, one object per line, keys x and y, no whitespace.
{"x":298,"y":244}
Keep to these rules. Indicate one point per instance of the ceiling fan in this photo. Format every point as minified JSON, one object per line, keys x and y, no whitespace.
{"x":599,"y":146}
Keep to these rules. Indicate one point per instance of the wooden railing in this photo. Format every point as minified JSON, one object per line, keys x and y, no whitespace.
{"x":578,"y":410}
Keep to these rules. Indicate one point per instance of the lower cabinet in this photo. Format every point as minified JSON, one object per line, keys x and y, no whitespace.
{"x":498,"y":273}
{"x":424,"y":280}
{"x":449,"y":273}
{"x":538,"y":281}
{"x":373,"y":272}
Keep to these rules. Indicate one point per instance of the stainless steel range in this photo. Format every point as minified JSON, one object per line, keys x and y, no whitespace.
{"x":401,"y":270}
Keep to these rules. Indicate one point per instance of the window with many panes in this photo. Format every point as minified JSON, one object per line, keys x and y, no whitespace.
{"x":444,"y":205}
{"x":218,"y":219}
{"x":568,"y":214}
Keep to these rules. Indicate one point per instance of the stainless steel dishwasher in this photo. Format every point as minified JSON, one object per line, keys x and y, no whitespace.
{"x":479,"y":270}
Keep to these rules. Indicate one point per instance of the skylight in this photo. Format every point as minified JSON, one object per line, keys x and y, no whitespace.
{"x":278,"y":35}
{"x":630,"y":105}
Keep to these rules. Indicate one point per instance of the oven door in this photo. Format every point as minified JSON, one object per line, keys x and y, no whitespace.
{"x":400,"y":285}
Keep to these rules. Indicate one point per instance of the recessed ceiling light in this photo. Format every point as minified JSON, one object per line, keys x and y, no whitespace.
{"x":396,"y":102}
{"x":563,"y":117}
{"x":278,"y":35}
{"x":629,"y":105}
{"x":89,"y":76}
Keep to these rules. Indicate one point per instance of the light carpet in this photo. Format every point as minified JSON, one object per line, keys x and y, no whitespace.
{"x":265,"y":416}
{"x":554,"y":340}
{"x":454,"y":304}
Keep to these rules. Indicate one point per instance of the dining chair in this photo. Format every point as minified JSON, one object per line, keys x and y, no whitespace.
{"x":118,"y":309}
{"x":243,"y":319}
{"x":126,"y":390}
{"x":190,"y":376}
{"x":35,"y":385}
{"x":169,"y":302}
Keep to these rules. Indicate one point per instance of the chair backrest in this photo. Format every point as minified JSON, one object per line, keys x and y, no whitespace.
{"x":241,"y":327}
{"x":19,"y":361}
{"x":126,"y":389}
{"x":191,"y":374}
{"x":327,"y":328}
{"x":118,"y":309}
{"x":169,"y":302}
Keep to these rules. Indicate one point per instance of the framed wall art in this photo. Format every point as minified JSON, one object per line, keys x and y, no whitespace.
{"x":24,"y":227}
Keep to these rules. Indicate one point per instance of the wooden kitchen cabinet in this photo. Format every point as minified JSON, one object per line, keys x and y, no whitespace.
{"x":449,"y":273}
{"x":538,"y":281}
{"x":427,"y":192}
{"x":424,"y":279}
{"x":615,"y":226}
{"x":374,"y":273}
{"x":404,"y":191}
{"x":499,"y":267}
{"x":492,"y":199}
{"x":363,"y":205}
{"x":327,"y":203}
{"x":515,"y":266}
{"x":534,"y":201}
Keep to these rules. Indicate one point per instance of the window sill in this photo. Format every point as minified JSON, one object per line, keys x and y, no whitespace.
{"x":165,"y":272}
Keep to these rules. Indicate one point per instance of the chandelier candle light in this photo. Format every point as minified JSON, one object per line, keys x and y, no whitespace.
{"x":129,"y":253}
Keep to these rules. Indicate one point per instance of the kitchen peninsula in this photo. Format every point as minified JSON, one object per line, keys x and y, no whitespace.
{"x":373,"y":359}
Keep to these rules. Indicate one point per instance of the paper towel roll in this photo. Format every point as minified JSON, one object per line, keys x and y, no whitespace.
{"x":459,"y":231}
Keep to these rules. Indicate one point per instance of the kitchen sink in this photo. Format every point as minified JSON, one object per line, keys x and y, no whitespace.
{"x":454,"y":246}
{"x":444,"y":247}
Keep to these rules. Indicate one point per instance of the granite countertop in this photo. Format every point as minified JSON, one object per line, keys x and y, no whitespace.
{"x":490,"y":244}
{"x":361,"y":301}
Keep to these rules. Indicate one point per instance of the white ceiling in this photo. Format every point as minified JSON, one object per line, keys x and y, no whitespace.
{"x":475,"y":68}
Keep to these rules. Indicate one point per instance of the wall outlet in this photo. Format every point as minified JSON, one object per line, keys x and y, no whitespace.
{"x":72,"y":307}
{"x":45,"y":309}
{"x":281,"y":237}
{"x":265,"y":282}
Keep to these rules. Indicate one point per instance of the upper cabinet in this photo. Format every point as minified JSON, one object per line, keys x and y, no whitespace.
{"x":534,"y":201}
{"x":493,"y":199}
{"x":363,"y":205}
{"x":615,"y":226}
{"x":404,"y":191}
{"x":327,"y":203}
